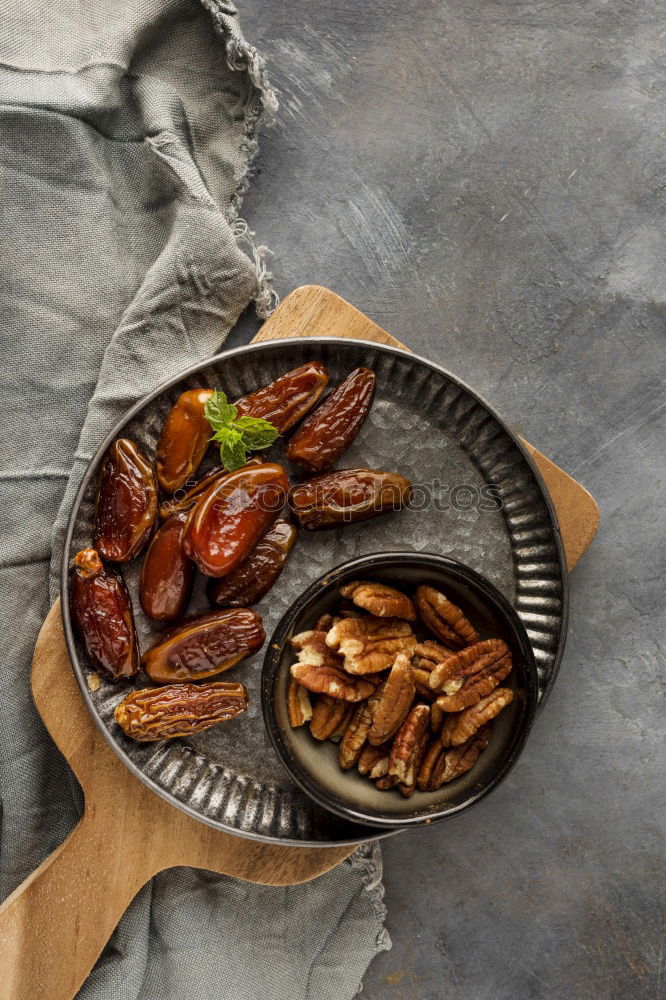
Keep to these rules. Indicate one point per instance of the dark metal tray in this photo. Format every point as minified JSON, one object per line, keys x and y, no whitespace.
{"x":478,"y":497}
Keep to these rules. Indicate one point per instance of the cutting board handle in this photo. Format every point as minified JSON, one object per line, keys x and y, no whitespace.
{"x":45,"y":951}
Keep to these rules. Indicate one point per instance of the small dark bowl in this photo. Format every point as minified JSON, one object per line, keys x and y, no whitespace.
{"x":314,"y":765}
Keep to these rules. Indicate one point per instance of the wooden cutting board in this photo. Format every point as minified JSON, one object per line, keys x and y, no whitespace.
{"x":55,"y":925}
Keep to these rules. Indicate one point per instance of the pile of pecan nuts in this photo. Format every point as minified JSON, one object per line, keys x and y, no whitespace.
{"x":224,"y":523}
{"x":408,"y":712}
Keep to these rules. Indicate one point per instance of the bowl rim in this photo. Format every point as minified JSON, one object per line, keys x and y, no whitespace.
{"x":364,"y":564}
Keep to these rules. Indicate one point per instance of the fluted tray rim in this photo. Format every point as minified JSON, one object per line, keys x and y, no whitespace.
{"x":285,"y":346}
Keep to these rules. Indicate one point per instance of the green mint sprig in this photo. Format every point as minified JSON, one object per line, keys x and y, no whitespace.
{"x":236,"y":436}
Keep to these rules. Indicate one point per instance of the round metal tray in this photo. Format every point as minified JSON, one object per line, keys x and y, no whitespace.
{"x":477,"y":497}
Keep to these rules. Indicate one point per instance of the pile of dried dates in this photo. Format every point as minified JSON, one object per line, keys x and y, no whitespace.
{"x":226,"y":524}
{"x":408,"y":711}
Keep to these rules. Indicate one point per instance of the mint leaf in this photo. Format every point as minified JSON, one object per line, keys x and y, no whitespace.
{"x":257,"y":433}
{"x":218,"y":412}
{"x":236,"y":435}
{"x":232,"y":449}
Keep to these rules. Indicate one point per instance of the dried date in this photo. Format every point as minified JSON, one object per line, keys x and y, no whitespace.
{"x":167,"y":573}
{"x":255,"y":577}
{"x":184,"y":440}
{"x":227,"y":523}
{"x":126,"y":502}
{"x":102,"y":615}
{"x":204,"y":645}
{"x":186,"y":499}
{"x":164,"y":713}
{"x":348,"y":496}
{"x":286,"y":400}
{"x":330,"y":429}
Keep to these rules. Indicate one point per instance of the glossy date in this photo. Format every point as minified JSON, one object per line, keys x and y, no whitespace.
{"x":227,"y":523}
{"x":164,"y":713}
{"x":286,"y":400}
{"x":348,"y":496}
{"x":126,"y":502}
{"x":329,"y":430}
{"x":167,"y":573}
{"x":204,"y":645}
{"x":185,"y":499}
{"x":101,"y":611}
{"x":184,"y":440}
{"x":258,"y":573}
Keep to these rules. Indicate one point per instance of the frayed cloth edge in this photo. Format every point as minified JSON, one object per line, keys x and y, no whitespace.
{"x":243,"y":57}
{"x":368,"y":860}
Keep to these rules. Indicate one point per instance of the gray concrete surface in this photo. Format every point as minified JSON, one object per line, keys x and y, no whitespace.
{"x":483,"y":179}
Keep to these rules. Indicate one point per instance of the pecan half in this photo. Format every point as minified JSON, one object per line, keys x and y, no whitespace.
{"x":407,"y":744}
{"x":374,"y":761}
{"x":477,"y":687}
{"x":430,"y":758}
{"x":444,"y":619}
{"x":458,"y":728}
{"x":329,"y":715}
{"x":441,"y":765}
{"x":298,"y":704}
{"x":386,"y":782}
{"x":469,"y":675}
{"x":453,"y":763}
{"x":356,"y":733}
{"x":393,"y":701}
{"x":431,"y":652}
{"x":370,"y":644}
{"x":436,"y":718}
{"x":163,"y":713}
{"x":423,"y":689}
{"x":379,"y":600}
{"x":311,"y":648}
{"x":408,"y":786}
{"x":332,"y":681}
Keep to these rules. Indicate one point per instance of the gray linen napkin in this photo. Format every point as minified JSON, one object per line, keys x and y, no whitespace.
{"x":127,"y":129}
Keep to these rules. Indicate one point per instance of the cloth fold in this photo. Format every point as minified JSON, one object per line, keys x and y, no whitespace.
{"x":127,"y":135}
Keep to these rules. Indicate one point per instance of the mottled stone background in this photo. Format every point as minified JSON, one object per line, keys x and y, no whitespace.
{"x":484,"y":180}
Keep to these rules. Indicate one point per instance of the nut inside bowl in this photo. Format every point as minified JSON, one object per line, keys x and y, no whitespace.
{"x":314,"y":764}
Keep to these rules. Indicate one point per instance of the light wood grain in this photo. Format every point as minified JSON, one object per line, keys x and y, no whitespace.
{"x":55,"y":925}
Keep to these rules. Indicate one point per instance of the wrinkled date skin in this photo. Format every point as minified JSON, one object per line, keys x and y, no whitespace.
{"x":256,"y":576}
{"x":184,"y":440}
{"x":178,"y":710}
{"x":327,"y":432}
{"x":204,"y":645}
{"x":126,"y":502}
{"x":167,"y":573}
{"x":227,"y":523}
{"x":287,"y":400}
{"x":102,"y":614}
{"x":186,"y":499}
{"x":348,"y":496}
